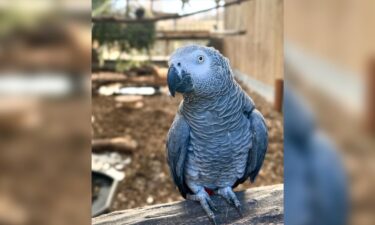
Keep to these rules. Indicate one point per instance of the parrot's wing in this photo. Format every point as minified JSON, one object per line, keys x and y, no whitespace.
{"x":177,"y":144}
{"x":259,"y":146}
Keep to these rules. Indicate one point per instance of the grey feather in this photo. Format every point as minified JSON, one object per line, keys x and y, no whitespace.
{"x":257,"y":153}
{"x":177,"y":143}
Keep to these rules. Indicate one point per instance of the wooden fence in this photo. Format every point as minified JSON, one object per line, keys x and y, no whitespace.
{"x":259,"y":53}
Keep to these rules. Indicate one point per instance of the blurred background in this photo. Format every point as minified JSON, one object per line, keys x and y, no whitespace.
{"x":325,"y":50}
{"x":45,"y":112}
{"x":329,"y":53}
{"x":131,"y":107}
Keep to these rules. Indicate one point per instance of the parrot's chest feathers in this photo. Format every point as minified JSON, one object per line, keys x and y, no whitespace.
{"x":222,"y":118}
{"x":217,"y":135}
{"x":219,"y":142}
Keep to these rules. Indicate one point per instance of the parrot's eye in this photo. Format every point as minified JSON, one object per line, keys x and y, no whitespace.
{"x":200,"y":59}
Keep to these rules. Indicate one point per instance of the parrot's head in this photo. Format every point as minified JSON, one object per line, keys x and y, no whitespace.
{"x":196,"y":69}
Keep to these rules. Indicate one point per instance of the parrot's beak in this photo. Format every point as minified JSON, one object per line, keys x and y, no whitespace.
{"x":180,"y":82}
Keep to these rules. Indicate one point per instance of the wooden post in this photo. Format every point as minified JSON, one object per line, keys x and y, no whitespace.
{"x":263,"y":205}
{"x":370,"y":96}
{"x":279,"y":91}
{"x":127,"y":9}
{"x":166,"y":50}
{"x":152,"y":6}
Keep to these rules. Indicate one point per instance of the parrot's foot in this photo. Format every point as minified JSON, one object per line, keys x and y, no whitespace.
{"x":204,"y":199}
{"x":228,"y":194}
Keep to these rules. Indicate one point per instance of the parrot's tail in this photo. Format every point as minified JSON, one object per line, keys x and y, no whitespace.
{"x":209,"y":191}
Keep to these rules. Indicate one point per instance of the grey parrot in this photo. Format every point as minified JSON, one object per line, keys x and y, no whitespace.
{"x":217,"y":139}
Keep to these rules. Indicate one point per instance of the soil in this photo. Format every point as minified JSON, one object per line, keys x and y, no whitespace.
{"x":147,"y":180}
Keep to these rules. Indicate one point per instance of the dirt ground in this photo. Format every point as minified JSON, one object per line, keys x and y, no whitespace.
{"x":147,"y":178}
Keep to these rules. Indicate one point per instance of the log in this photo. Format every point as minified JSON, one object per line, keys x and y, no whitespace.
{"x":122,"y":144}
{"x":106,"y":78}
{"x":262,"y":205}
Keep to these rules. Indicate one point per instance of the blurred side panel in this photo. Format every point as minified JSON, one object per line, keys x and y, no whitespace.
{"x":45,"y":129}
{"x":315,"y":180}
{"x":329,"y":63}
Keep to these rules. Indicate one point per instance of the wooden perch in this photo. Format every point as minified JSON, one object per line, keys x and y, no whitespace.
{"x":263,"y":205}
{"x":111,"y":19}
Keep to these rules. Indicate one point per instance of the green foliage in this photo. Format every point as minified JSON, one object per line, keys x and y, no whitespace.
{"x":100,"y":7}
{"x":137,"y":36}
{"x":123,"y":66}
{"x":140,"y":36}
{"x":131,"y":36}
{"x":109,"y":33}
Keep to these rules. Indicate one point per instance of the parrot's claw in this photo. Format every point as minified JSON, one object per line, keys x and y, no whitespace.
{"x":207,"y":204}
{"x":237,"y":205}
{"x":212,"y":205}
{"x":239,"y":210}
{"x":213,"y":220}
{"x":228,"y":194}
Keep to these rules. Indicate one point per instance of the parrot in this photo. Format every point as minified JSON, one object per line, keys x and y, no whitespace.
{"x":218,"y":139}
